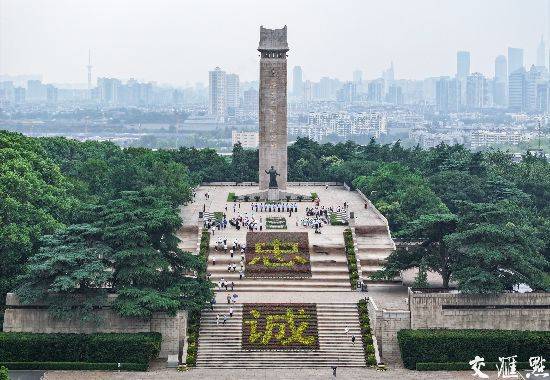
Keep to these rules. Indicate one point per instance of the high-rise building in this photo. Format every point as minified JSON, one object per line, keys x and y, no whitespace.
{"x":51,"y":93}
{"x":109,"y":90}
{"x":476,"y":91}
{"x":462,"y":64}
{"x":307,"y":94}
{"x":517,"y":90}
{"x":232,"y":91}
{"x":395,"y":95}
{"x":376,"y":91}
{"x":217,"y":93}
{"x":19,"y":94}
{"x":541,"y":53}
{"x":543,"y":97}
{"x":389,"y":75}
{"x":501,"y":69}
{"x":36,"y":91}
{"x":250,"y":100}
{"x":297,"y":81}
{"x":347,"y":93}
{"x":535,"y":76}
{"x":500,"y":84}
{"x":357,"y":77}
{"x":515,"y":60}
{"x":447,"y":95}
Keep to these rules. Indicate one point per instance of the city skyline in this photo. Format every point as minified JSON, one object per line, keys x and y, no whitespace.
{"x":184,"y":55}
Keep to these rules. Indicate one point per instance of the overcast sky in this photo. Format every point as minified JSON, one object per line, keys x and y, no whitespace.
{"x":178,"y":41}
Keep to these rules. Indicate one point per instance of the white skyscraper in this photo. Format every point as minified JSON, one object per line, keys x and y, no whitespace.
{"x":217,"y":93}
{"x":232,"y":90}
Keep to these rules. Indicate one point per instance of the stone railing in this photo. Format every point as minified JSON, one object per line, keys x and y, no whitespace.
{"x":297,"y":184}
{"x":385,"y":324}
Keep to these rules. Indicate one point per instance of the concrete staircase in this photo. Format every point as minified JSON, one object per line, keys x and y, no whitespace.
{"x":189,"y":238}
{"x":220,"y":345}
{"x":374,"y":245}
{"x":329,"y":272}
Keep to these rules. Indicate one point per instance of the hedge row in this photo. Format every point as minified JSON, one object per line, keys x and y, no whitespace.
{"x":74,"y":366}
{"x":352,"y":260}
{"x":461,"y":346}
{"x":203,"y":251}
{"x":92,"y":348}
{"x":194,"y":318}
{"x":366,"y":332}
{"x":489,"y":366}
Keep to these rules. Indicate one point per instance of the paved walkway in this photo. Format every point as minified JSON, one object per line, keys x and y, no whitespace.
{"x":266,"y":374}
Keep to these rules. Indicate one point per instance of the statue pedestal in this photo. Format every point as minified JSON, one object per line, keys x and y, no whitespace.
{"x":273,"y":194}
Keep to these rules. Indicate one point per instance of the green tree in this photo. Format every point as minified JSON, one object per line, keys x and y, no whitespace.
{"x":150,"y":272}
{"x":426,"y":247}
{"x":69,"y":273}
{"x":35,"y":199}
{"x":497,"y":249}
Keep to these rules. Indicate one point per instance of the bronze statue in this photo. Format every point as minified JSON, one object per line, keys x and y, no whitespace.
{"x":272,"y":178}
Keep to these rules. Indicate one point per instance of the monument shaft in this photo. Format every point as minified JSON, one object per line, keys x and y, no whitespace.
{"x":272,"y":118}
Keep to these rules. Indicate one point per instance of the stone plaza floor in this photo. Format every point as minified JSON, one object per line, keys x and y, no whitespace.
{"x":266,"y":374}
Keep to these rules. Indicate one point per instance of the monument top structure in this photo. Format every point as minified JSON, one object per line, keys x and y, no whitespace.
{"x":273,"y":40}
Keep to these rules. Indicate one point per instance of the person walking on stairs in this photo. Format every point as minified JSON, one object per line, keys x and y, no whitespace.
{"x":217,"y":319}
{"x":353,"y":339}
{"x":230,"y":312}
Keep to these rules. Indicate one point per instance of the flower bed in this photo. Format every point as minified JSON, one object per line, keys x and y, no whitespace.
{"x":277,"y":255}
{"x":280,"y":327}
{"x":275,"y":223}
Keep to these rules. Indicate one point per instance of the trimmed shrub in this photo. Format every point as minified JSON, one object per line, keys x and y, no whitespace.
{"x":4,"y":373}
{"x":94,"y":348}
{"x":72,"y":366}
{"x":366,"y":333}
{"x":461,"y":346}
{"x":463,"y":366}
{"x":193,"y":326}
{"x":231,"y":197}
{"x":352,"y":260}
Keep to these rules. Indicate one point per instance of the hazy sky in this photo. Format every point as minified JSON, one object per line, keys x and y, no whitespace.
{"x":178,"y":41}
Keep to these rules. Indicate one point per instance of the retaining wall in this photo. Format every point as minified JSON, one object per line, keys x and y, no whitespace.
{"x":36,"y":319}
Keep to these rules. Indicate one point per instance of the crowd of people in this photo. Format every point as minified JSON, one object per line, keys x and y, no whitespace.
{"x":274,"y":207}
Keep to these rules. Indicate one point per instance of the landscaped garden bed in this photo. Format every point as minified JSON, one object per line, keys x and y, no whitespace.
{"x":275,"y":223}
{"x":280,"y":327}
{"x":366,"y":333}
{"x":351,"y":258}
{"x":336,"y":219}
{"x":277,"y":255}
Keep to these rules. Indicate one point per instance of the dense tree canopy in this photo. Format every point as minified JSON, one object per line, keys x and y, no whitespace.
{"x":78,"y":220}
{"x":70,"y":208}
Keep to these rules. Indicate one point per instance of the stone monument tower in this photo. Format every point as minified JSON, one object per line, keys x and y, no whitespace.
{"x":273,"y":138}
